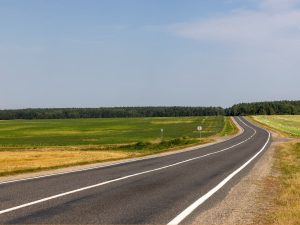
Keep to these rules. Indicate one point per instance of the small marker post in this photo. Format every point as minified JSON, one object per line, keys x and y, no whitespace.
{"x":199,"y":128}
{"x":162,"y":134}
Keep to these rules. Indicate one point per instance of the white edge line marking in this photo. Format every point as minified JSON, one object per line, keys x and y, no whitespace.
{"x":103,"y":166}
{"x":179,"y":218}
{"x":119,"y":179}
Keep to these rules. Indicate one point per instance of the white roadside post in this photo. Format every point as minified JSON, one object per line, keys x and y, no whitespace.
{"x":199,"y":128}
{"x":162,"y":134}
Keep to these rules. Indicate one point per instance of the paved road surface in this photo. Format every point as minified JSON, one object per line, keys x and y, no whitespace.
{"x":169,"y":189}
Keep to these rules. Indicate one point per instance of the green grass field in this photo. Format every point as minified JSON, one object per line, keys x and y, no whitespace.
{"x":33,"y":145}
{"x":72,"y":132}
{"x":287,"y":124}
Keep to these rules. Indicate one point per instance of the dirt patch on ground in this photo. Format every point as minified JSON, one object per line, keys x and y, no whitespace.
{"x":244,"y":202}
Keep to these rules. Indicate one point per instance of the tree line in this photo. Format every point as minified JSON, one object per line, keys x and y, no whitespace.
{"x":265,"y":108}
{"x":256,"y":108}
{"x":113,"y":112}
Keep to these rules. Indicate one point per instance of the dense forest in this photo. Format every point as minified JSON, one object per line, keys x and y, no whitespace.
{"x":257,"y":108}
{"x":68,"y":113}
{"x":265,"y":108}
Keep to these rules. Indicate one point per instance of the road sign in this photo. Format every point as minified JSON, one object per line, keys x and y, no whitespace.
{"x":199,"y":128}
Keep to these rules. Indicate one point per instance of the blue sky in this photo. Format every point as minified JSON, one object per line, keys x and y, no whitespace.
{"x":93,"y":53}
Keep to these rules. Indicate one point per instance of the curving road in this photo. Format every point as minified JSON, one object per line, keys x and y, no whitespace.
{"x":170,"y":189}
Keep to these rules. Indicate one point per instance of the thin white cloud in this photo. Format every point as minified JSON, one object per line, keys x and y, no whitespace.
{"x":278,"y":5}
{"x":261,"y":28}
{"x":258,"y":49}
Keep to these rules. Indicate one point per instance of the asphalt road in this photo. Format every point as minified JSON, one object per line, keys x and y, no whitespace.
{"x":169,"y":189}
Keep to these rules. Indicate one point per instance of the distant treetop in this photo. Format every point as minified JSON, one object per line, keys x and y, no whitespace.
{"x":256,"y":108}
{"x":265,"y":108}
{"x":114,"y":112}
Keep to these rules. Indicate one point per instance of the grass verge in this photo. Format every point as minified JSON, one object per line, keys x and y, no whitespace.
{"x":229,"y":127}
{"x":282,"y":191}
{"x":285,"y":207}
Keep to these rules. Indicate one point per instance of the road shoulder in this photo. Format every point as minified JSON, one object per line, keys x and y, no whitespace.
{"x":246,"y":201}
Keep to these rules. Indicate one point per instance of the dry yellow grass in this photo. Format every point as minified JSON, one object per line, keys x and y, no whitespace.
{"x":171,"y":122}
{"x":285,"y":200}
{"x":284,"y":189}
{"x":89,"y":147}
{"x":13,"y":162}
{"x":286,"y":208}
